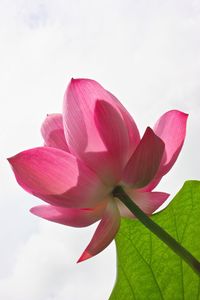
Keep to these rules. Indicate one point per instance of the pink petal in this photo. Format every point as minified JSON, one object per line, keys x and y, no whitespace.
{"x":147,"y":201}
{"x":53,"y":132}
{"x":145,"y":161}
{"x":114,"y":134}
{"x":133,"y":133}
{"x":149,"y":187}
{"x":104,"y":233}
{"x":57,"y":177}
{"x":79,"y":124}
{"x":74,"y":217}
{"x":171,"y":128}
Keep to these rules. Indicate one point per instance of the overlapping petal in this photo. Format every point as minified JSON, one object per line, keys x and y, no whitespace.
{"x":89,"y":150}
{"x":115,"y":139}
{"x":153,"y":183}
{"x":53,"y":132}
{"x":171,"y":128}
{"x":104,"y":233}
{"x":148,"y":202}
{"x":133,"y":133}
{"x":145,"y":161}
{"x":57,"y":177}
{"x":76,"y":217}
{"x":81,"y":133}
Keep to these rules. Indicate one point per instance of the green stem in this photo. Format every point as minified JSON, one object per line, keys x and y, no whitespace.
{"x":157,"y":230}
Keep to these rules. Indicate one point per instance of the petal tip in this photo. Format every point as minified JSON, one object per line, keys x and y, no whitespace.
{"x":33,"y":211}
{"x":86,"y":255}
{"x":11,"y":160}
{"x":38,"y":211}
{"x":166,"y":195}
{"x":183,"y":114}
{"x":149,"y":130}
{"x":178,"y":112}
{"x":75,"y":80}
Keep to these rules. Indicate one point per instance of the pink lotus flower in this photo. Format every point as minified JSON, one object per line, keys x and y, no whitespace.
{"x":89,"y":150}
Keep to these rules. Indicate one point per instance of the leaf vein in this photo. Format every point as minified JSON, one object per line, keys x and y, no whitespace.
{"x":129,"y":284}
{"x":150,"y":268}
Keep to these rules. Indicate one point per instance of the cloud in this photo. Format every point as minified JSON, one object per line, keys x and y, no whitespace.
{"x":46,"y":267}
{"x":147,"y":54}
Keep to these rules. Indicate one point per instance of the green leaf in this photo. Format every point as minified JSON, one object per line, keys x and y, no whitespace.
{"x":146,"y":268}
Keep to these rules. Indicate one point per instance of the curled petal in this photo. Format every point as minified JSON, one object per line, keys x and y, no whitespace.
{"x":53,"y":132}
{"x":104,"y":233}
{"x":79,"y":123}
{"x":75,"y":217}
{"x":57,"y":177}
{"x":171,"y":128}
{"x":148,"y":202}
{"x":145,"y":161}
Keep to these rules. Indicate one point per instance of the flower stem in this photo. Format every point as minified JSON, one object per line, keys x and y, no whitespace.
{"x":157,"y":230}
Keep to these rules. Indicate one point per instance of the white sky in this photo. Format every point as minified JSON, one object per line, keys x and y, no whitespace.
{"x":145,"y":52}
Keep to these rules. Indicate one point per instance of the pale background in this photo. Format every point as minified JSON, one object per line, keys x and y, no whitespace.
{"x":145,"y":52}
